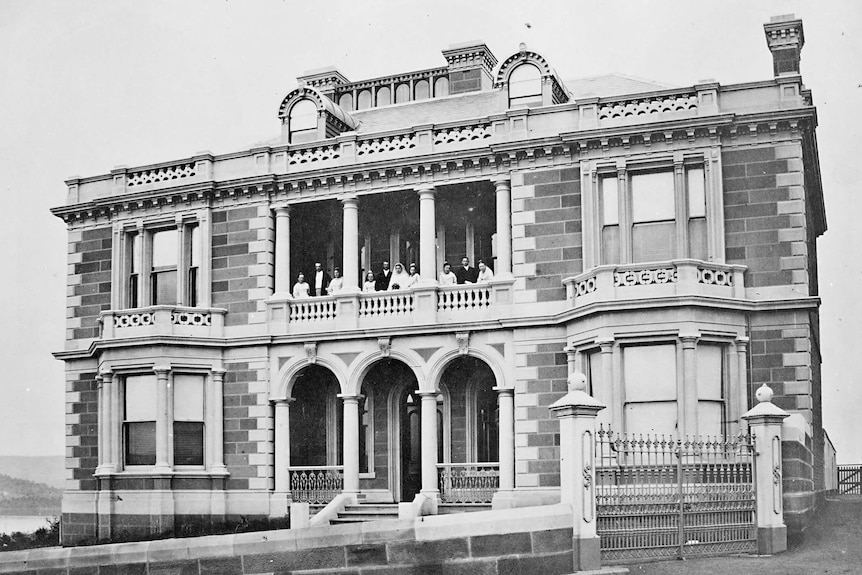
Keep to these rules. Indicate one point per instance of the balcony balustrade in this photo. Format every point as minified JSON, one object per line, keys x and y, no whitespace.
{"x":656,"y":279}
{"x":420,"y":305}
{"x":316,"y":485}
{"x":163,"y":320}
{"x":468,"y":483}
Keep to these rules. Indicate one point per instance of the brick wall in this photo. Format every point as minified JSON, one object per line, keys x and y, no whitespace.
{"x":541,"y":373}
{"x":89,"y":281}
{"x":248,"y":426}
{"x":764,"y":211}
{"x":242,"y":265}
{"x":547,"y":240}
{"x":82,"y":424}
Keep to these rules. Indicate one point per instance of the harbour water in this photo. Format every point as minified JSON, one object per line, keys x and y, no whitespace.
{"x":23,"y":523}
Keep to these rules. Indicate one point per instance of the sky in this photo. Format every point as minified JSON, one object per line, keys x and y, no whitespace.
{"x":86,"y":86}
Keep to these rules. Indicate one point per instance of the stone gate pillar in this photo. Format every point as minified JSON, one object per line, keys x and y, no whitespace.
{"x":577,"y":414}
{"x":764,"y":423}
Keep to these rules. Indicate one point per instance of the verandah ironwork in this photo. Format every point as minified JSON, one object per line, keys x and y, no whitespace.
{"x":660,"y":497}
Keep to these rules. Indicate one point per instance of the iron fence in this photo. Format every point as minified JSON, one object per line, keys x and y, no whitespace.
{"x":850,"y":479}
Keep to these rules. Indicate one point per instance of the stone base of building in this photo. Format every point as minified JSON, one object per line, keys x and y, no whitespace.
{"x":771,"y":540}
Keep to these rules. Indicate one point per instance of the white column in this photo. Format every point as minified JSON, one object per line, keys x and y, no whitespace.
{"x":282,"y":250}
{"x":115,"y":423}
{"x":429,"y":444}
{"x":351,"y":443}
{"x":217,"y":421}
{"x":182,"y":264}
{"x":506,"y":403}
{"x":681,"y":204}
{"x":162,"y":421}
{"x":503,"y":188}
{"x":687,"y":387}
{"x":739,"y":396}
{"x":350,"y":246}
{"x":282,"y":444}
{"x":427,"y":233}
{"x":103,"y":421}
{"x":764,"y":424}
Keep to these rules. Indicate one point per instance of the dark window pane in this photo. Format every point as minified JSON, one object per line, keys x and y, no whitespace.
{"x":133,"y":290}
{"x":697,"y":238}
{"x":141,"y":443}
{"x":610,"y":245}
{"x":193,"y":287}
{"x":188,"y":443}
{"x":654,"y":242}
{"x":165,"y":288}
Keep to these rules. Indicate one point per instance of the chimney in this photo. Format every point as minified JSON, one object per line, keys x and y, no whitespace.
{"x":471,"y":67}
{"x":785,"y":40}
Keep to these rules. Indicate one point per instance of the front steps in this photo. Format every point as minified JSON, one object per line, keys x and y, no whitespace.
{"x":366,"y":512}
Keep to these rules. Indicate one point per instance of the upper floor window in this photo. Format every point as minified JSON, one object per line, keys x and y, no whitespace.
{"x":162,"y":266}
{"x":302,"y":122}
{"x":654,"y":216}
{"x":525,"y":86}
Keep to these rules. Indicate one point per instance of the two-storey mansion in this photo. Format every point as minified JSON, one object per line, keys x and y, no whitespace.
{"x":660,"y":240}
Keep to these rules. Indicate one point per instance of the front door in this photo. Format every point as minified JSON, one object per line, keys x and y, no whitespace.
{"x":411,"y":445}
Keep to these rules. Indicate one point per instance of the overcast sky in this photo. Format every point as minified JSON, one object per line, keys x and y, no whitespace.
{"x":86,"y":86}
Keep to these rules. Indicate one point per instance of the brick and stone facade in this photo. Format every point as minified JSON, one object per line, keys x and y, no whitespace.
{"x":392,"y":388}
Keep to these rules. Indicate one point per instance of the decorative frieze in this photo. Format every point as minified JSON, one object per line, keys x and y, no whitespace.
{"x":161,"y":174}
{"x":201,"y":318}
{"x":133,"y":319}
{"x":644,"y":277}
{"x":317,"y":154}
{"x":462,"y":134}
{"x":387,"y":144}
{"x":648,"y":106}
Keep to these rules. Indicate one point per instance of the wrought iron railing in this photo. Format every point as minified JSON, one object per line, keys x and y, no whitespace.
{"x":317,"y":485}
{"x":468,"y":483}
{"x":850,"y":479}
{"x":659,"y":496}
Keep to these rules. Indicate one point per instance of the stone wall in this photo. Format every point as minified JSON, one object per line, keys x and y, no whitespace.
{"x":88,"y":281}
{"x":547,"y":239}
{"x":248,"y":426}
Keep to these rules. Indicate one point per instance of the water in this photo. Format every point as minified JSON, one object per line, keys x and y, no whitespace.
{"x":22,"y":523}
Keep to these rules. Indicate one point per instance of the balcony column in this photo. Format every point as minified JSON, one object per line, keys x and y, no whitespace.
{"x":217,"y":421}
{"x":503,"y":188}
{"x":282,"y":250}
{"x":506,"y":403}
{"x":182,"y":264}
{"x":429,"y":444}
{"x":351,"y":443}
{"x":427,"y":235}
{"x":350,"y":245}
{"x":282,"y":444}
{"x":739,"y":399}
{"x":162,"y":422}
{"x":103,"y":439}
{"x":687,"y":385}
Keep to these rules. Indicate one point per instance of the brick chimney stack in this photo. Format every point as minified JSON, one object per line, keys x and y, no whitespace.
{"x":785,"y":39}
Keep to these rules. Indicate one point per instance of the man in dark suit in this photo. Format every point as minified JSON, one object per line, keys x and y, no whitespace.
{"x":381,"y":282}
{"x":465,"y":274}
{"x":319,"y":281}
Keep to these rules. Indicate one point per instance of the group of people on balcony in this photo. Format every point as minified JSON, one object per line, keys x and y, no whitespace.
{"x":389,"y":280}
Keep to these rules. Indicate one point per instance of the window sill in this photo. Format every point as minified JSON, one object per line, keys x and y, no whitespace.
{"x":148,"y":471}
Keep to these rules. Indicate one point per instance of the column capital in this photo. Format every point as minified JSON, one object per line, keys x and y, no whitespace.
{"x":348,"y":398}
{"x":282,"y":211}
{"x":606,"y":344}
{"x":689,"y":340}
{"x":502,"y":181}
{"x":286,"y":401}
{"x":349,"y":200}
{"x":161,"y":370}
{"x":510,"y":391}
{"x":426,"y":189}
{"x":423,"y":393}
{"x":105,"y":373}
{"x":742,"y":343}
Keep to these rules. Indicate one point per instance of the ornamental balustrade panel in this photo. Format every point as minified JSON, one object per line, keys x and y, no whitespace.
{"x":630,"y":108}
{"x":460,"y":134}
{"x":468,"y":483}
{"x":313,"y":155}
{"x":313,"y":309}
{"x":645,"y":276}
{"x":161,"y":174}
{"x":466,"y":297}
{"x":317,"y":485}
{"x":134,"y":318}
{"x":388,"y":303}
{"x":395,"y":143}
{"x":162,"y":320}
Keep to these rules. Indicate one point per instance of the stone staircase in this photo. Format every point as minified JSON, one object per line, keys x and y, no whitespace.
{"x":366,"y":512}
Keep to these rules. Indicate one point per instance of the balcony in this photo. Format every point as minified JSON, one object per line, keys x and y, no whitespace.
{"x":163,"y":320}
{"x":657,"y":279}
{"x":421,"y":305}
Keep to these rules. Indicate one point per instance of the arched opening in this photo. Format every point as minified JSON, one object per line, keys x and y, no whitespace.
{"x":363,"y":100}
{"x":302,"y":122}
{"x":392,"y":447}
{"x":346,"y":102}
{"x":441,"y":87}
{"x":315,"y":419}
{"x":525,"y":86}
{"x":469,"y":473}
{"x":421,"y":90}
{"x":402,"y":93}
{"x":384,"y":96}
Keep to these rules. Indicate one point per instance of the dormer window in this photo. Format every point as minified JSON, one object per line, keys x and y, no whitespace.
{"x":303,"y":121}
{"x":525,"y":86}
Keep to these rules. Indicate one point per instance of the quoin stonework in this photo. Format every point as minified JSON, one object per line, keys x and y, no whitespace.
{"x":659,"y":240}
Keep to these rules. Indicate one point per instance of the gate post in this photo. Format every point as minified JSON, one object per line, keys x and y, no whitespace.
{"x":764,"y":423}
{"x":577,"y":414}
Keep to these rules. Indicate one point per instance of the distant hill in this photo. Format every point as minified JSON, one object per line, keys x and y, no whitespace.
{"x":23,"y":497}
{"x":48,"y":469}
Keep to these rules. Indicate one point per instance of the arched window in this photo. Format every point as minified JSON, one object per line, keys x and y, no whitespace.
{"x":402,"y":93}
{"x":303,"y":121}
{"x":346,"y":102}
{"x":525,"y":86}
{"x":384,"y":96}
{"x":364,"y":100}
{"x":441,"y":87}
{"x":421,"y":90}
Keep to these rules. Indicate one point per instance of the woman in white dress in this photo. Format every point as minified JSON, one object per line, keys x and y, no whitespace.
{"x":485,"y":273}
{"x":400,"y":278}
{"x":414,"y":276}
{"x":447,"y":276}
{"x":336,"y":283}
{"x":369,"y":284}
{"x":300,"y":288}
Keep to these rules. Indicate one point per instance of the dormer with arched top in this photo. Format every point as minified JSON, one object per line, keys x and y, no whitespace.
{"x":307,"y":116}
{"x":529,"y":80}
